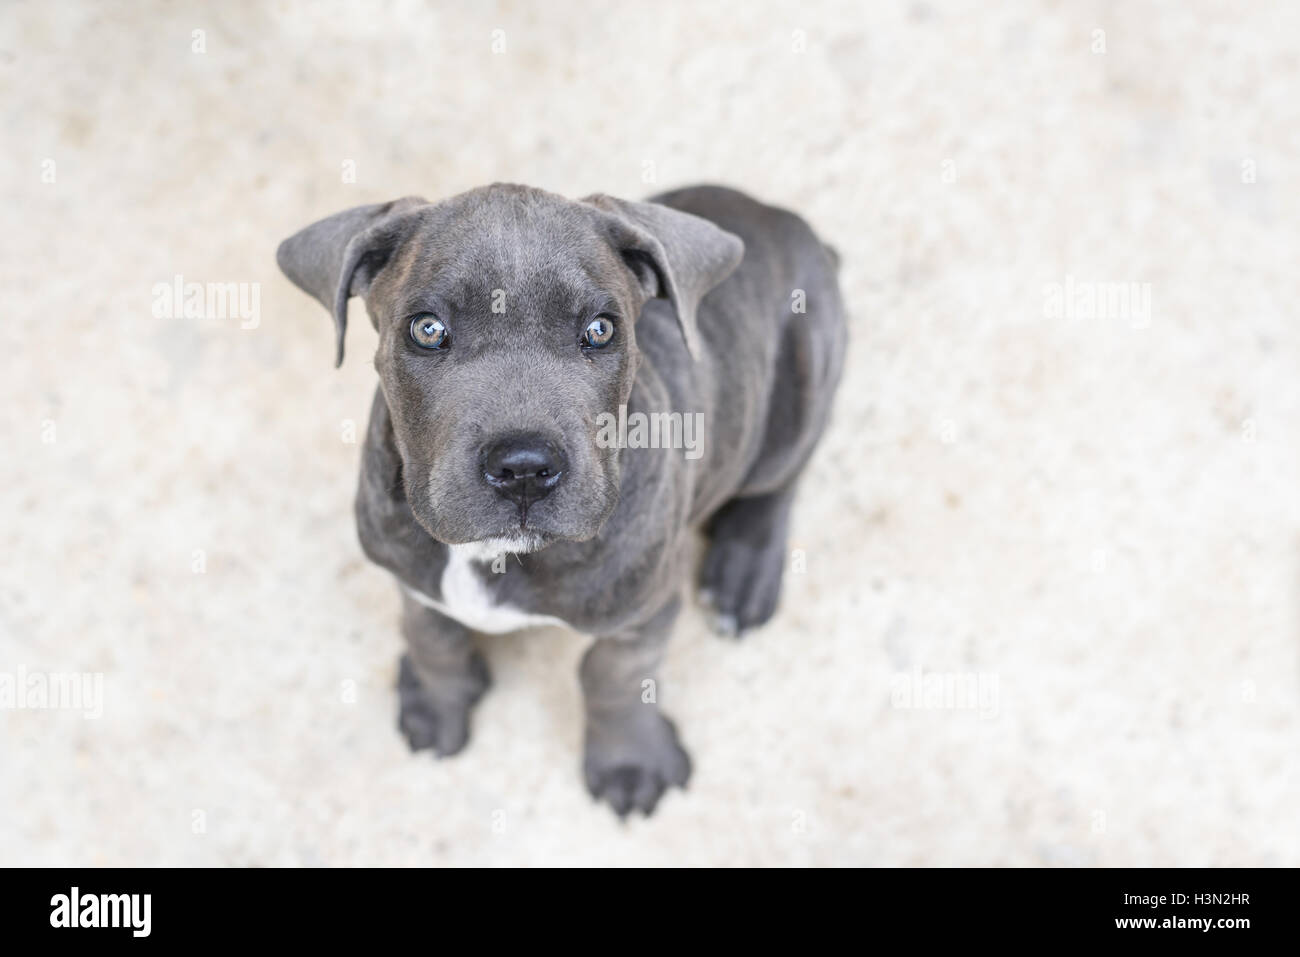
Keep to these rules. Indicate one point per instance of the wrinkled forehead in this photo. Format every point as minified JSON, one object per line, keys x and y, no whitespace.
{"x":501,"y":247}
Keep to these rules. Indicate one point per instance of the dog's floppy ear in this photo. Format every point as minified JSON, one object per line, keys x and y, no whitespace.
{"x":674,"y":255}
{"x":336,"y":258}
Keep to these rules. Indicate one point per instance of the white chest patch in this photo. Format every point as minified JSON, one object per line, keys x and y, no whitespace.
{"x":466,"y":599}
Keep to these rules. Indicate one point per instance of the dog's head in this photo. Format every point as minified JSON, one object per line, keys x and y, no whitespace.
{"x":506,"y":320}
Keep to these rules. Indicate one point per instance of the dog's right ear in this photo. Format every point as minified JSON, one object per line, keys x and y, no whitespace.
{"x":336,"y":258}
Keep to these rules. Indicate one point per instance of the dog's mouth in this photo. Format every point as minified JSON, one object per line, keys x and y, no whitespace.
{"x":515,"y":543}
{"x":509,"y":531}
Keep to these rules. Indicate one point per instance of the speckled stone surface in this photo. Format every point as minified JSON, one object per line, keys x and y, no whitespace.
{"x":1096,"y":516}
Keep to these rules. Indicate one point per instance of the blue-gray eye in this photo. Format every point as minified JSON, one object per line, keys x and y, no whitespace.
{"x":429,"y":332}
{"x":598,"y":333}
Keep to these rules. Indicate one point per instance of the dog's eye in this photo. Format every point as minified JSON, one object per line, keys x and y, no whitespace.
{"x":429,"y":332}
{"x":598,"y":333}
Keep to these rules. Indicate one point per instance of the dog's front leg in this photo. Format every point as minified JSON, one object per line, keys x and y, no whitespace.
{"x":631,"y":754}
{"x":442,"y":676}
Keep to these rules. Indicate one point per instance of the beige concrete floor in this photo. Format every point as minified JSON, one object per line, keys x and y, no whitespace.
{"x":1098,"y":517}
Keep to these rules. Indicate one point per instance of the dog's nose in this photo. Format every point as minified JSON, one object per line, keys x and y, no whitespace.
{"x":523,"y":468}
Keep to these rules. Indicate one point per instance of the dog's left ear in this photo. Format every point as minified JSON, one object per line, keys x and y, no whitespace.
{"x":337,"y":257}
{"x":676,"y":256}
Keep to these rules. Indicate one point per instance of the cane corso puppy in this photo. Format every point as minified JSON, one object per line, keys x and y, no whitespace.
{"x":570,"y":390}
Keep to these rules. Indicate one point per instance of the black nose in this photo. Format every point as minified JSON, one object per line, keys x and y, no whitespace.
{"x":523,"y":468}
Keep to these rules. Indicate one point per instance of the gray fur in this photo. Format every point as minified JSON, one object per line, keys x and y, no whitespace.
{"x":701,"y":282}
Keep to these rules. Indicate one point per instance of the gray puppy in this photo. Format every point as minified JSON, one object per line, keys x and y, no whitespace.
{"x":530,"y":457}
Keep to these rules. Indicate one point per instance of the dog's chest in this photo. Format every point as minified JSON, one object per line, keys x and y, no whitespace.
{"x":468,"y":599}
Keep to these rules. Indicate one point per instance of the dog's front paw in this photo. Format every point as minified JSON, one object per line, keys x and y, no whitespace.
{"x":438,"y":722}
{"x":740,"y":583}
{"x":631,"y":760}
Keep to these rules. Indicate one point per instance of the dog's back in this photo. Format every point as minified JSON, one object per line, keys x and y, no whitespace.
{"x":775,"y":331}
